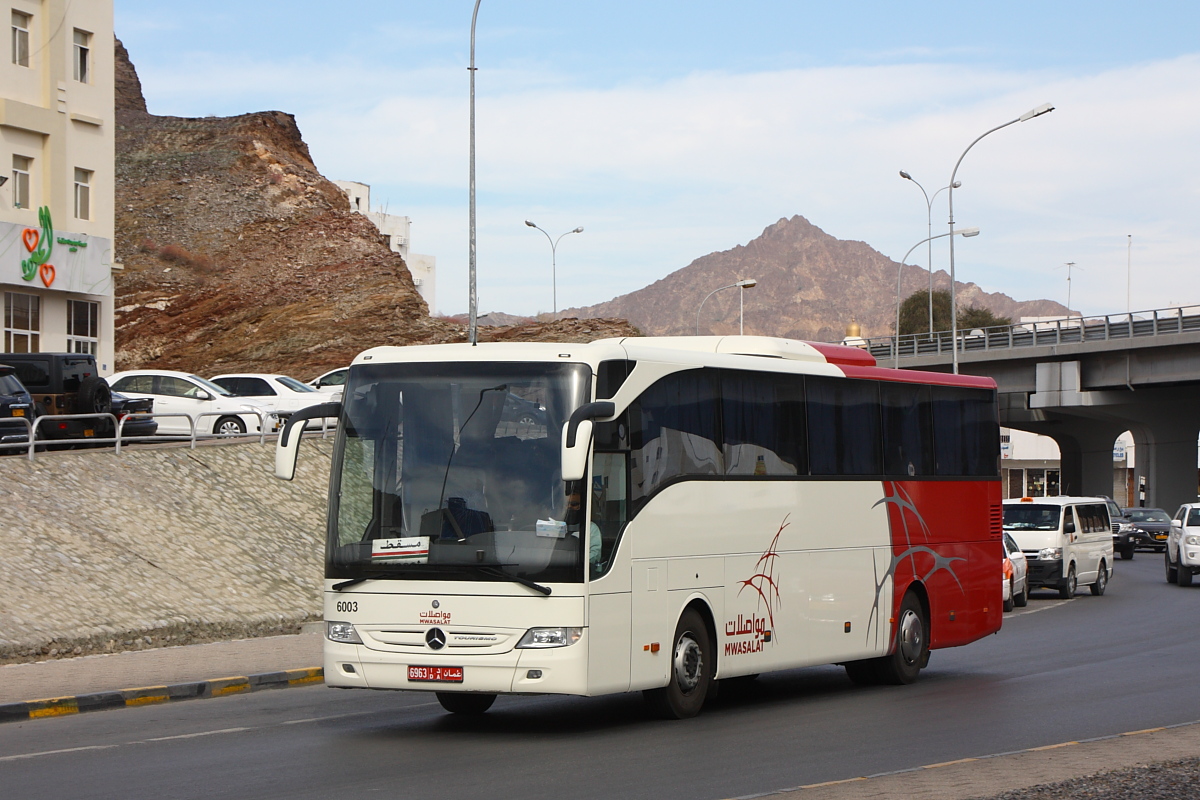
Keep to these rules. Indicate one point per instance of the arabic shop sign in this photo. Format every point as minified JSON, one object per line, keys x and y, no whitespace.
{"x":60,"y":261}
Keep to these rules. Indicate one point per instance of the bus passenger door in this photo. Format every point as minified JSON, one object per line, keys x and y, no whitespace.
{"x":609,"y":603}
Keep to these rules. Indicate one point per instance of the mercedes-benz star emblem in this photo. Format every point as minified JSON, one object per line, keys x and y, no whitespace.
{"x":435,"y":639}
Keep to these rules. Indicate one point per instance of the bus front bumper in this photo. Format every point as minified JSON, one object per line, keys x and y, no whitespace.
{"x":557,"y":670}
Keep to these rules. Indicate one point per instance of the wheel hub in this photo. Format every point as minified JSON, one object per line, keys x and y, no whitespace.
{"x":689,"y":663}
{"x":912,"y":636}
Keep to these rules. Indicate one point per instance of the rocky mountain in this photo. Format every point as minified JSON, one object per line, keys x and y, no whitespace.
{"x":810,"y":286}
{"x":240,"y":255}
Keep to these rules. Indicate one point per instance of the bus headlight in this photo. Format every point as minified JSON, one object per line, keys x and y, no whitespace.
{"x":1050,"y":554}
{"x":549,"y":637}
{"x":342,"y":632}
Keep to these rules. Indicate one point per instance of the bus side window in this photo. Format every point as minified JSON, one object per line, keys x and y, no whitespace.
{"x":907,"y":430}
{"x":764,"y":423}
{"x":610,"y":504}
{"x":843,"y":426}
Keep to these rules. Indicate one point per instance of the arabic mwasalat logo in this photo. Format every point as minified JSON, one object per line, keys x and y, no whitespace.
{"x":39,"y":244}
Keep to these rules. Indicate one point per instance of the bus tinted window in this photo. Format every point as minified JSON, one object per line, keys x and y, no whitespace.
{"x":764,"y":423}
{"x":843,"y":427}
{"x":907,"y":429}
{"x":966,"y":434}
{"x":610,"y":375}
{"x":673,"y":432}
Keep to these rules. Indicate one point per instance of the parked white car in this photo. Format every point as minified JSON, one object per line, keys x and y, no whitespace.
{"x":280,"y":393}
{"x":331,"y":382}
{"x":206,"y":404}
{"x":1015,"y":575}
{"x":1183,"y":545}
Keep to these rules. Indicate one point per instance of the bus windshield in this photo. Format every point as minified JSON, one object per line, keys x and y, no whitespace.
{"x":451,"y":471}
{"x":1028,"y":517}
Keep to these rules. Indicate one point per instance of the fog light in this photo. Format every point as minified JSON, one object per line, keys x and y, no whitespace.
{"x":533,"y":674}
{"x":348,"y":669}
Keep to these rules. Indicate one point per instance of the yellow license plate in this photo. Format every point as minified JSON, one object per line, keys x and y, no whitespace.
{"x":89,"y":432}
{"x":18,"y":412}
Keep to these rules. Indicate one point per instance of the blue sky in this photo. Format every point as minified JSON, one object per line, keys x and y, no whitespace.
{"x":670,"y":130}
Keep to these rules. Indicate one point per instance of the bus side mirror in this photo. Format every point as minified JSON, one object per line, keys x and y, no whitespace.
{"x":287,"y":448}
{"x":577,"y":437}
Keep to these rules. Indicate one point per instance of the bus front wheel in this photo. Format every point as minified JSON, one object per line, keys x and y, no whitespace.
{"x":691,"y":671}
{"x":470,"y":704}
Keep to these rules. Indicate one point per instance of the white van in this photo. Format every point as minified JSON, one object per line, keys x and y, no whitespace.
{"x":1066,"y":540}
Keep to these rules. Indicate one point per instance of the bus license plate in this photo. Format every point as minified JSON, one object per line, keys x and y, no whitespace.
{"x":436,"y":674}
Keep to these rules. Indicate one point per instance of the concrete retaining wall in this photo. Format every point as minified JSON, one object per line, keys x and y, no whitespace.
{"x":161,"y":545}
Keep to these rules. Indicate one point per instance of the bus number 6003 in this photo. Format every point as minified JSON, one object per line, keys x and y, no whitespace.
{"x":347,"y":605}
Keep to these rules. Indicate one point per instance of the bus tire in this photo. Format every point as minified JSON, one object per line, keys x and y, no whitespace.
{"x":911,"y":650}
{"x":470,"y":704}
{"x":691,"y":671}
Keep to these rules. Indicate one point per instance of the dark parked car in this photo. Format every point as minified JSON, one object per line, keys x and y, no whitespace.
{"x":16,"y":406}
{"x":1124,"y":539}
{"x":70,"y":383}
{"x":1151,"y":527}
{"x":123,"y":406}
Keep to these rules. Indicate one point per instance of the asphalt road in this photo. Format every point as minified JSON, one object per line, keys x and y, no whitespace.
{"x":1058,"y":671}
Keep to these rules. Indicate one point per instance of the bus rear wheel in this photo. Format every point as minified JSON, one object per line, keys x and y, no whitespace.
{"x":691,"y":671}
{"x":467,"y":703}
{"x":912,"y":645}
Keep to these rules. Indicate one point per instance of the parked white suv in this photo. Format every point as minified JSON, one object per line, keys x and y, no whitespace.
{"x":204,"y":403}
{"x":1183,"y":545}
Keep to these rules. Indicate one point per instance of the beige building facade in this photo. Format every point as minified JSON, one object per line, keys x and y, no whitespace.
{"x":397,"y":230}
{"x":57,"y":138}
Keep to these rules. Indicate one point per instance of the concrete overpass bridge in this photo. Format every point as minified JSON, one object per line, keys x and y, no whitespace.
{"x":1082,"y":382}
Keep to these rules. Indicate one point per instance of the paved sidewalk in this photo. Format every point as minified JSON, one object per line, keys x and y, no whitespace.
{"x":157,"y":667}
{"x":989,"y":775}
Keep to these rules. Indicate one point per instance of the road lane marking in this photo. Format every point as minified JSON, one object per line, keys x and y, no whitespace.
{"x":57,"y":752}
{"x":194,"y":735}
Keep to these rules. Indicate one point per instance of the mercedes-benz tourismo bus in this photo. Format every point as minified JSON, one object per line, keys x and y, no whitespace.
{"x":651,"y":514}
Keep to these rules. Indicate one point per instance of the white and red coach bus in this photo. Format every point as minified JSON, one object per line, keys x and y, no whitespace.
{"x":651,"y":514}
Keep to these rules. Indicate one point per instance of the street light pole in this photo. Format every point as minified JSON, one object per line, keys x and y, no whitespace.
{"x":1045,"y":108}
{"x":742,"y":285}
{"x":554,"y":261}
{"x":967,"y":232}
{"x":929,"y":232}
{"x":472,"y":299}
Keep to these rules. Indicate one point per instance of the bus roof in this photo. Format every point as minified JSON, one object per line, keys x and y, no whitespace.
{"x":771,"y":354}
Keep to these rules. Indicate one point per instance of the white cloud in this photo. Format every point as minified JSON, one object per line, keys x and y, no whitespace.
{"x":662,"y":173}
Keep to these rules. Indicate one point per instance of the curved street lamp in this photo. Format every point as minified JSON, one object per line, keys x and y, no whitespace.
{"x":966,"y":232}
{"x":929,"y":232}
{"x":743,"y":285}
{"x":1044,"y":108}
{"x":553,"y":261}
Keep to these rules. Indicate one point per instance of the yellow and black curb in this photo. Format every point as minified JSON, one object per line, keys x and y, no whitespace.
{"x":155,"y":695}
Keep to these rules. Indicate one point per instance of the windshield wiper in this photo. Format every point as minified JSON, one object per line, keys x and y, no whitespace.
{"x":499,"y":573}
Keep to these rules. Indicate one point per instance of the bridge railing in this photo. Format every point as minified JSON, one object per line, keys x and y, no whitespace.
{"x":1064,"y":330}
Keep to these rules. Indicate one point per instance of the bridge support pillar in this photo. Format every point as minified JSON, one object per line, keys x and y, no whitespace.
{"x":1085,"y":448}
{"x":1166,"y":460}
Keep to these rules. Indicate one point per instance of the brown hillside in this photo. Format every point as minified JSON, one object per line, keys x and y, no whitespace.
{"x":240,"y":255}
{"x":810,"y":286}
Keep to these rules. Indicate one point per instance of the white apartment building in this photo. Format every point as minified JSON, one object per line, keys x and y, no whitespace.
{"x":57,"y":136}
{"x":396,"y":230}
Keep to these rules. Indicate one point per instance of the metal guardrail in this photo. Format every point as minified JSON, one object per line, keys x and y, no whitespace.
{"x":1066,"y":330}
{"x":34,"y":440}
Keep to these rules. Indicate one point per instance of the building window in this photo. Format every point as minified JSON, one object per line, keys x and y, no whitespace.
{"x":83,"y":326}
{"x":20,"y":38}
{"x":20,"y":181}
{"x":83,"y":54}
{"x":83,"y":192}
{"x":22,"y":323}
